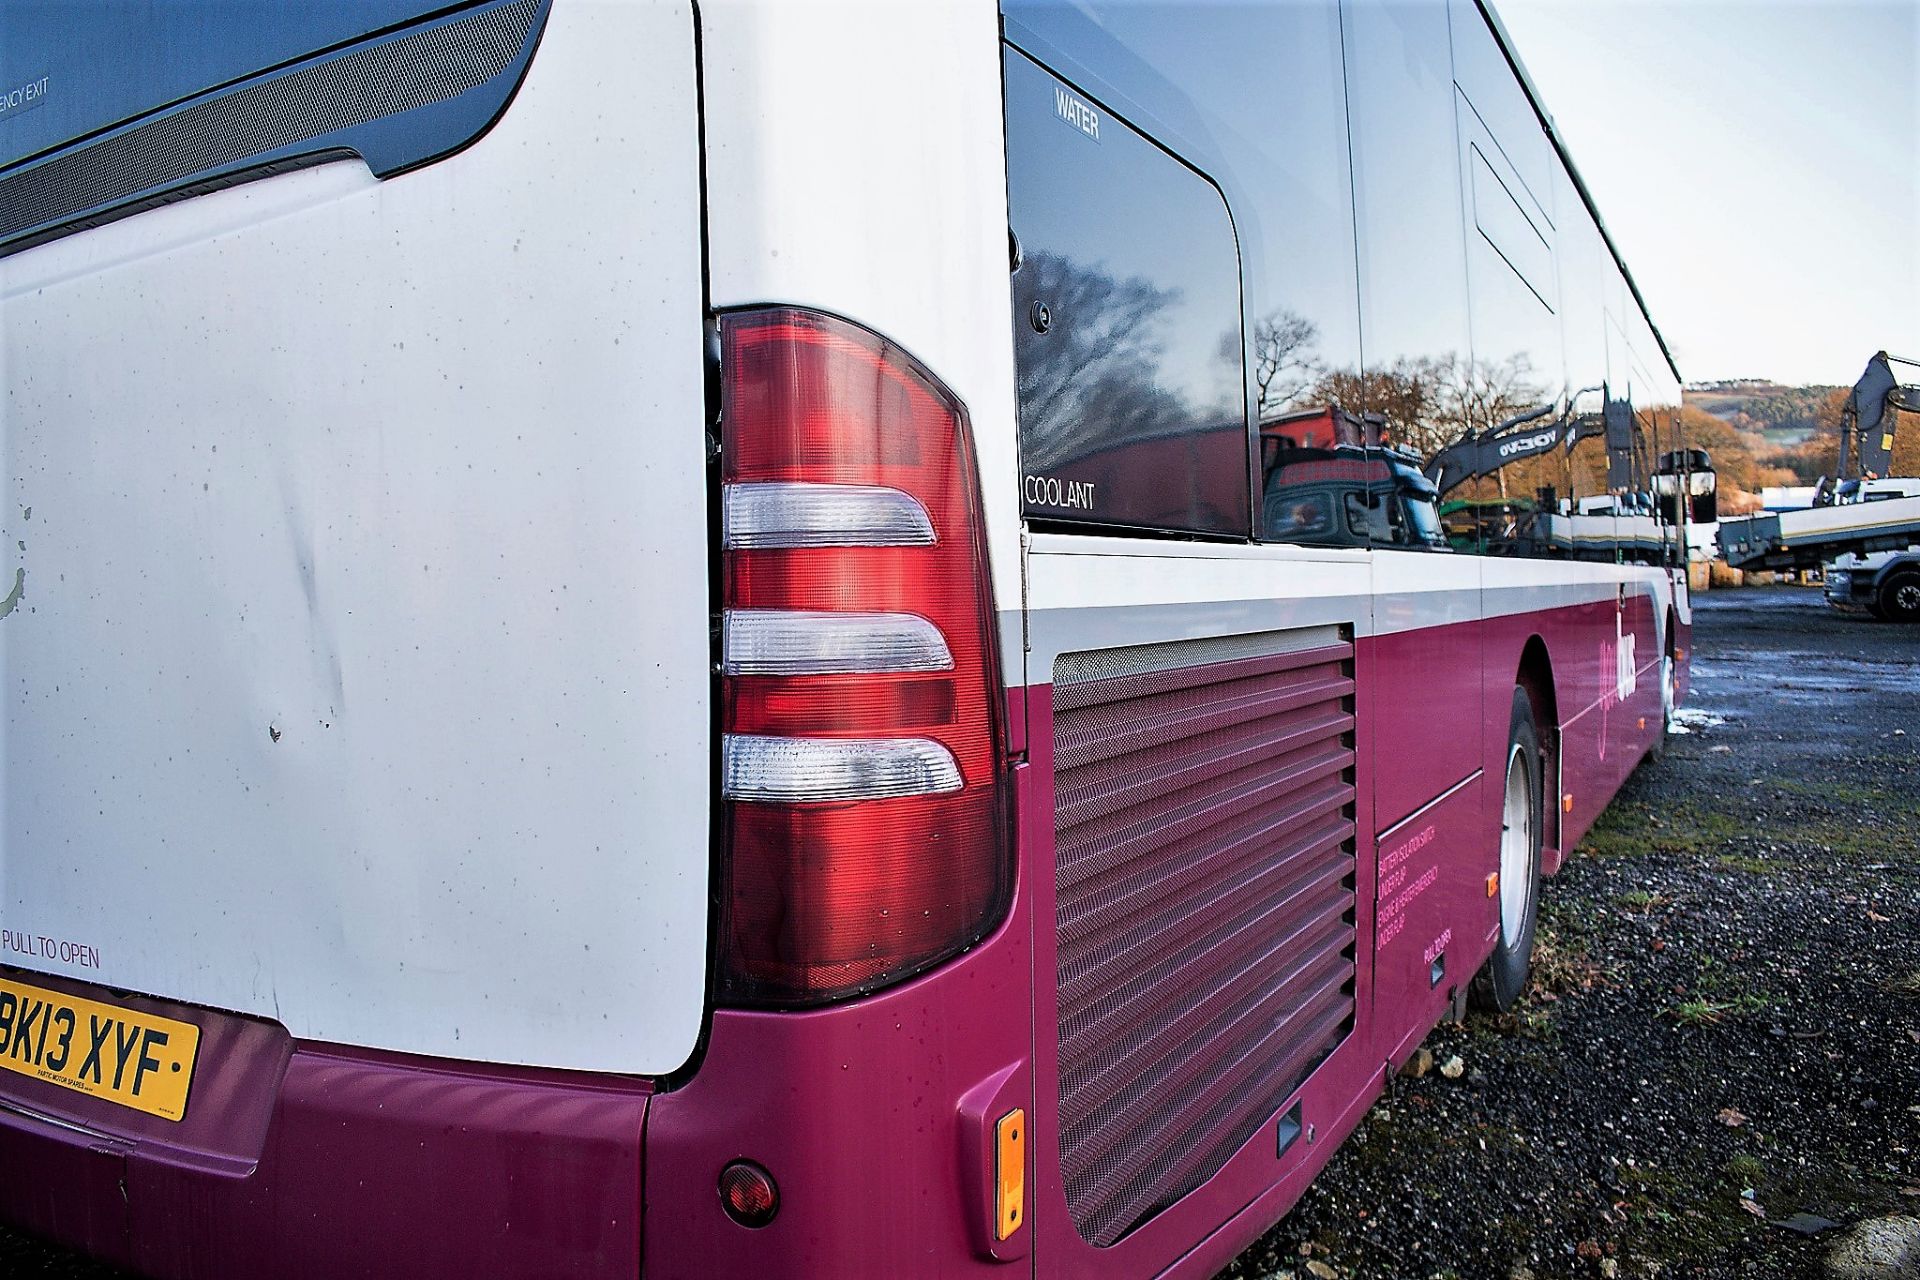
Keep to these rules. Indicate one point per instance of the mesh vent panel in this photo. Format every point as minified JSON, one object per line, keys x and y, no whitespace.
{"x":1205,"y":912}
{"x":231,"y":126}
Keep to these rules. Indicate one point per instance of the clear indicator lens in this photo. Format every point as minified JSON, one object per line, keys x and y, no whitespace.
{"x":812,"y":770}
{"x":793,"y":642}
{"x":788,"y":513}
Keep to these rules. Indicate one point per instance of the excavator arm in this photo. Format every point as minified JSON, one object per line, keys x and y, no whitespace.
{"x":1872,"y":412}
{"x":1483,"y":453}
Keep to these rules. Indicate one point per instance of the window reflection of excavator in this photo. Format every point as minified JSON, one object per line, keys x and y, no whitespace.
{"x":1859,"y":511}
{"x":1335,"y":478}
{"x":1641,"y":516}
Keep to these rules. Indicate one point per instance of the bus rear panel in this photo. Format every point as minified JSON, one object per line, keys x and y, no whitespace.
{"x":770,"y":640}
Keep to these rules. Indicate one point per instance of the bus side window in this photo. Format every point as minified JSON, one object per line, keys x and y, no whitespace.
{"x":1126,"y":321}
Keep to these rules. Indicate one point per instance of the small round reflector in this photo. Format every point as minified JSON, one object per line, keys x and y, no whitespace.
{"x":748,"y":1194}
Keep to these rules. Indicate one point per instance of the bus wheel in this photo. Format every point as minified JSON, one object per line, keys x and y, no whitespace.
{"x":1900,"y":598}
{"x":1500,"y":983}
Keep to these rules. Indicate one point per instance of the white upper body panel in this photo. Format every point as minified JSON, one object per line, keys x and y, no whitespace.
{"x":855,"y":163}
{"x":1092,"y":591}
{"x":341,"y":690}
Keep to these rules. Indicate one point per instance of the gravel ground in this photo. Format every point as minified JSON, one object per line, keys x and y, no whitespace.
{"x":1725,"y":1025}
{"x":1724,"y":1029}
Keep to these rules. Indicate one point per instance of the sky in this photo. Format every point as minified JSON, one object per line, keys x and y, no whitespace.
{"x":1758,"y":165}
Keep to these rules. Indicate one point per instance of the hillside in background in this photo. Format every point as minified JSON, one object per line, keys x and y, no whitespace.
{"x":1781,"y":415}
{"x":1762,"y":433}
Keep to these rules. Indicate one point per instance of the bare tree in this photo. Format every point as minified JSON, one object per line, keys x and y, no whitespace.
{"x":1284,"y":366}
{"x":1088,"y":382}
{"x":1412,"y":396}
{"x":1483,"y":394}
{"x":1426,"y":403}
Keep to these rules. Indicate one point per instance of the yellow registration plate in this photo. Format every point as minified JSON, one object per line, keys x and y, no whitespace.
{"x":135,"y":1059}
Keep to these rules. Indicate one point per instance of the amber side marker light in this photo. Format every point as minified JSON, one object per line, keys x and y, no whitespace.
{"x":1493,"y":885}
{"x":1566,"y":803}
{"x":1009,"y":1172}
{"x":748,"y":1194}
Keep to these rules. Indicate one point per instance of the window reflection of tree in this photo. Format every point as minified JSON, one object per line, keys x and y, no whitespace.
{"x":1284,"y":367}
{"x":1429,"y":402}
{"x":1420,"y":404}
{"x":1088,"y":384}
{"x":1425,"y":402}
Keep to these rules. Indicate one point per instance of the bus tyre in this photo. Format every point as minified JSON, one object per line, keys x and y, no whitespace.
{"x":1899,"y":597}
{"x":1497,"y":986}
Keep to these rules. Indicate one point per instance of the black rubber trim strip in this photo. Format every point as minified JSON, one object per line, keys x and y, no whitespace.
{"x":259,"y":126}
{"x":173,"y":195}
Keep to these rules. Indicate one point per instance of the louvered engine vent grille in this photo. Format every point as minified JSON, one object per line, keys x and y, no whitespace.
{"x":1206,"y":904}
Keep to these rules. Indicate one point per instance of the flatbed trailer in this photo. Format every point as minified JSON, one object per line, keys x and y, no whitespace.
{"x":1808,"y":539}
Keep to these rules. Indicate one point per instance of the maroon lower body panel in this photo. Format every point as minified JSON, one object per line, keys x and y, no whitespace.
{"x":1205,"y":911}
{"x":875,"y":1117}
{"x":1223,"y":987}
{"x":302,"y":1160}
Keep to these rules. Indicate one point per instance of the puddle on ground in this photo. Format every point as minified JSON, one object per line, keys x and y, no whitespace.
{"x":1694,"y":719}
{"x":1812,"y":671}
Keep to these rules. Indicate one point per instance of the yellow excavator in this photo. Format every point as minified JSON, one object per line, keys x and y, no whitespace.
{"x":1868,"y":420}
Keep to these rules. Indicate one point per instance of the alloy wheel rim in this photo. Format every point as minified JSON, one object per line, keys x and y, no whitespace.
{"x":1516,"y":846}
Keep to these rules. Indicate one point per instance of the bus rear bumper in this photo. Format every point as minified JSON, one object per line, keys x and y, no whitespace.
{"x":361,"y":1164}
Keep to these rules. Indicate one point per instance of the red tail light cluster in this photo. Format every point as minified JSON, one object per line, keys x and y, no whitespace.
{"x":861,"y":766}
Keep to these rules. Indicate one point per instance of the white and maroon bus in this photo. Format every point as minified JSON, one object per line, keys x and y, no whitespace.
{"x":687,"y":640}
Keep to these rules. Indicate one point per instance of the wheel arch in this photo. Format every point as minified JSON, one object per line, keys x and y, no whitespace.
{"x":1535,"y":675}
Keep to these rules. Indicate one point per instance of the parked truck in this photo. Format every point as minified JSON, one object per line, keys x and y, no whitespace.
{"x":1885,"y":584}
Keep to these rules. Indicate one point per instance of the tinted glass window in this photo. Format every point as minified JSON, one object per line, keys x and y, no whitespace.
{"x":1482,"y":72}
{"x":1498,"y":215}
{"x":1582,"y":308}
{"x":1412,"y":246}
{"x":90,"y":65}
{"x":1126,"y":320}
{"x":1252,"y":95}
{"x":1318,"y":483}
{"x":1511,"y":275}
